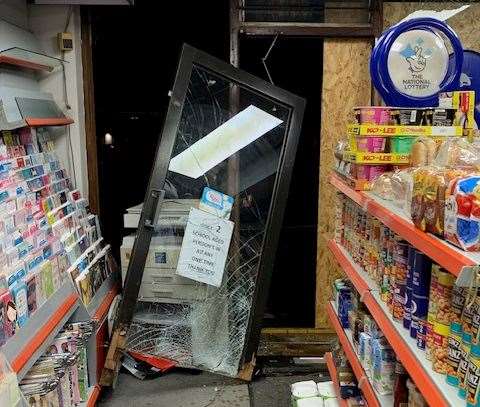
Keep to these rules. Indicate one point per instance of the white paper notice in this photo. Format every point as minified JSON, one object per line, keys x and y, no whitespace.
{"x":205,"y":247}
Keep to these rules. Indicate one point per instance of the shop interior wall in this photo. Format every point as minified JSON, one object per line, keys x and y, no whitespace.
{"x":346,"y":83}
{"x":46,"y":22}
{"x":464,"y":24}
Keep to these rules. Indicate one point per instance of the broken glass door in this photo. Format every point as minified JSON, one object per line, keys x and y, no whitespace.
{"x":200,"y":267}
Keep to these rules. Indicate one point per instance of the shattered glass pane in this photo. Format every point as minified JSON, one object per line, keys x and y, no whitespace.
{"x":195,"y":324}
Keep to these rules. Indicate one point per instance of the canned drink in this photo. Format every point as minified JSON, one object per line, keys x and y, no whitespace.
{"x":454,"y":353}
{"x":462,"y":369}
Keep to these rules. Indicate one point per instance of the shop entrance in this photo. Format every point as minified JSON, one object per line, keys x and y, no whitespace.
{"x":131,"y":108}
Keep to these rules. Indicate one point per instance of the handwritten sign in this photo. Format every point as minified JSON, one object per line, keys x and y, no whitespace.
{"x":205,"y":247}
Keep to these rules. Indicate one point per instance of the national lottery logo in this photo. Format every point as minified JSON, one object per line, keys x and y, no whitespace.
{"x":416,"y":56}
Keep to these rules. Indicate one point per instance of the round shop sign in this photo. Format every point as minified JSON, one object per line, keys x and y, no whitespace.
{"x":418,"y":63}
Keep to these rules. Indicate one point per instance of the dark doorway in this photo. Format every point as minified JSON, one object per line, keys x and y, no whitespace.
{"x":135,"y":50}
{"x":295,"y":64}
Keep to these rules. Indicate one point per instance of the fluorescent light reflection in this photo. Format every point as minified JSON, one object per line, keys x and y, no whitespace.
{"x":233,"y":135}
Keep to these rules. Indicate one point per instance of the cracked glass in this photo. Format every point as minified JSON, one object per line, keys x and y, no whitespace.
{"x":230,"y":139}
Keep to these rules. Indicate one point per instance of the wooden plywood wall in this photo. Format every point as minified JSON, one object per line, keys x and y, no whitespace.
{"x":346,"y":83}
{"x":464,"y":24}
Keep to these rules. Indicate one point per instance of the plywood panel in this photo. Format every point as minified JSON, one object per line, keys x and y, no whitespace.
{"x":463,"y":24}
{"x":346,"y":83}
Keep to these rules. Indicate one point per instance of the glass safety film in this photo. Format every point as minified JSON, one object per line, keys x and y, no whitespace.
{"x":200,"y":266}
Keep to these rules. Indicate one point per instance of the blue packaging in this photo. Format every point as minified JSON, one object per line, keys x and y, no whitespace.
{"x":421,"y":274}
{"x":344,"y":305}
{"x":419,"y":312}
{"x":407,"y":315}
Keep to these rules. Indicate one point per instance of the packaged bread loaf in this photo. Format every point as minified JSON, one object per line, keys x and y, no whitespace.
{"x":423,"y":152}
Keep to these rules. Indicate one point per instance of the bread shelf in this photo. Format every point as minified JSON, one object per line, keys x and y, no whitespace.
{"x":345,"y":336}
{"x":432,"y":385}
{"x":446,"y":255}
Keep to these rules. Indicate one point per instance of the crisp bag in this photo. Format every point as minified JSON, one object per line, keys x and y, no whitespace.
{"x":462,"y":212}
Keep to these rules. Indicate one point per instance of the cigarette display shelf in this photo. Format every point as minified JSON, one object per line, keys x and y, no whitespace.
{"x":432,"y":385}
{"x":332,"y":369}
{"x":446,"y":255}
{"x":372,"y":397}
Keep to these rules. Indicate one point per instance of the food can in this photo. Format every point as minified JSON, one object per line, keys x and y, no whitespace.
{"x":407,"y":313}
{"x":421,"y":333}
{"x":419,"y":312}
{"x":421,"y":275}
{"x":454,"y":353}
{"x":400,"y":260}
{"x":462,"y":369}
{"x":476,"y":321}
{"x":459,"y":295}
{"x":440,"y":348}
{"x":398,"y":299}
{"x":473,"y":376}
{"x":441,"y":297}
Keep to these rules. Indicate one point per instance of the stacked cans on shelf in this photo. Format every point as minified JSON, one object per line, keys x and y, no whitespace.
{"x":443,"y":318}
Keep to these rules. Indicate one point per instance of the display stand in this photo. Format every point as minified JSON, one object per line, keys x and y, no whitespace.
{"x":432,"y":385}
{"x":446,"y":255}
{"x":33,"y":339}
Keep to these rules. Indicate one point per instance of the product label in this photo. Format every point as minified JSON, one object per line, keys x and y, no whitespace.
{"x":463,"y":365}
{"x":454,"y":353}
{"x":473,"y":377}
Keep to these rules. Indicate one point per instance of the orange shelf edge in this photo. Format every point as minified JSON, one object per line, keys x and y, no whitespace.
{"x":24,"y":63}
{"x":333,"y":375}
{"x":357,"y":280}
{"x":42,"y":335}
{"x":357,"y":368}
{"x":419,"y":375}
{"x":39,"y":122}
{"x":92,"y":399}
{"x":439,"y":251}
{"x":102,"y":310}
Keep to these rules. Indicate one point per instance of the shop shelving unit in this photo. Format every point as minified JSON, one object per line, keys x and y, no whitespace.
{"x":332,"y":369}
{"x":372,"y":397}
{"x":93,"y":395}
{"x":33,"y":339}
{"x":432,"y":385}
{"x":446,"y":255}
